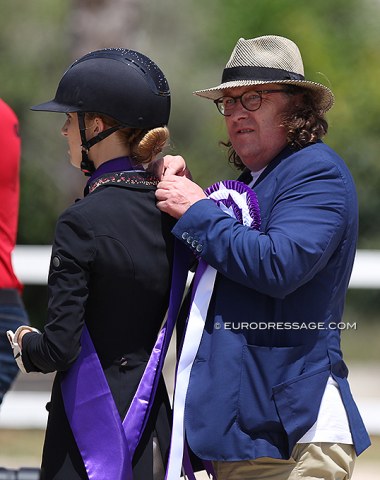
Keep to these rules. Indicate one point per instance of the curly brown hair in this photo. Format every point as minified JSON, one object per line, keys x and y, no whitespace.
{"x":305,"y":124}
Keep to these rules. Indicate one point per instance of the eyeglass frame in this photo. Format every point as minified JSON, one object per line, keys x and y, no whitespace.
{"x":240,"y":97}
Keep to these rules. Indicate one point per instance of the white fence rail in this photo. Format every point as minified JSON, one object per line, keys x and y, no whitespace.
{"x":31,"y":264}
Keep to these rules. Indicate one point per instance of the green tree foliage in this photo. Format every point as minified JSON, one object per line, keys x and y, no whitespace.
{"x":192,"y":41}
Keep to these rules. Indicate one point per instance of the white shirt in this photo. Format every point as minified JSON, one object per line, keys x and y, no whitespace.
{"x":332,"y":422}
{"x":255,"y":176}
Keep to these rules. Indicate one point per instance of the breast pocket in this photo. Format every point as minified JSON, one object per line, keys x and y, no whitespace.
{"x":262,"y":369}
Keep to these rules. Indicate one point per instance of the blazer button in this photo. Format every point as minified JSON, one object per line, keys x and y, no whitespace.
{"x":194,"y":243}
{"x":185,"y":235}
{"x":56,"y":261}
{"x":199,"y":248}
{"x":189,"y":239}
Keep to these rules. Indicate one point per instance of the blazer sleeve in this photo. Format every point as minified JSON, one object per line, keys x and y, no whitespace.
{"x":72,"y":254}
{"x":304,"y":224}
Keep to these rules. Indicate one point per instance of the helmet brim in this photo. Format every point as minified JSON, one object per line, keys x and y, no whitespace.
{"x":53,"y":106}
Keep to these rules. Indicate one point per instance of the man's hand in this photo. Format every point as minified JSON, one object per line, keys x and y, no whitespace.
{"x":175,"y":194}
{"x":170,"y":165}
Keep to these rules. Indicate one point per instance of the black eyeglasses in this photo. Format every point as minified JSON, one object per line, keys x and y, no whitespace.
{"x":250,"y":100}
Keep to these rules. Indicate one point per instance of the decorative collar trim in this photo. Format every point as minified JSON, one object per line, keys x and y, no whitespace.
{"x":133,"y":179}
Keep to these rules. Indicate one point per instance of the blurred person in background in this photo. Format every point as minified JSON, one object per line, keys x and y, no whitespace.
{"x":268,"y":395}
{"x":109,"y":277}
{"x":12,"y":311}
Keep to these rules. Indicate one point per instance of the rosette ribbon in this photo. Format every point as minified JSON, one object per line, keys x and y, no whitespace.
{"x":240,"y":202}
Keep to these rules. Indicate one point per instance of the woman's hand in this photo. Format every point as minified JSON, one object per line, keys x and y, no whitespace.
{"x":20,"y":336}
{"x":15,"y":339}
{"x":170,"y":165}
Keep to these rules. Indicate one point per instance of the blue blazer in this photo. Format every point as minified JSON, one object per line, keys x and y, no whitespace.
{"x":269,"y":343}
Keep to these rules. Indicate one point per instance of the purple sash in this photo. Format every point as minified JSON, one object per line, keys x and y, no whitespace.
{"x":93,"y":417}
{"x":105,"y":442}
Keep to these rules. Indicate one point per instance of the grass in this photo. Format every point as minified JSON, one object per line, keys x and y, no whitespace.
{"x":21,"y":448}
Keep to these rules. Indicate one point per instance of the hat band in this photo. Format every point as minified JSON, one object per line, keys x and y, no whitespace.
{"x":258,"y":73}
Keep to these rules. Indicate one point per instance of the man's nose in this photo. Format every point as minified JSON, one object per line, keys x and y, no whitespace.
{"x":239,"y":110}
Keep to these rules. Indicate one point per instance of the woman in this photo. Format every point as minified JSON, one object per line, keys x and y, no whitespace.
{"x":111,"y":260}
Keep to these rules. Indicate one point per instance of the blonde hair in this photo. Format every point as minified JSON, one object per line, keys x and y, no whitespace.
{"x":144,"y":144}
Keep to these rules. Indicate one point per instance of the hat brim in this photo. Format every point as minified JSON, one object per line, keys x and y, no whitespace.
{"x":324,"y":96}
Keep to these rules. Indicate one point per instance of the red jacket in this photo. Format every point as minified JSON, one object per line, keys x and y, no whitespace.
{"x":10,"y":149}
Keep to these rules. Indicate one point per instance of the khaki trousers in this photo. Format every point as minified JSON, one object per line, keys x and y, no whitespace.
{"x":309,"y":461}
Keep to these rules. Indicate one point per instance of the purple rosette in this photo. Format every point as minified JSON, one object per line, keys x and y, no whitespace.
{"x":237,"y":200}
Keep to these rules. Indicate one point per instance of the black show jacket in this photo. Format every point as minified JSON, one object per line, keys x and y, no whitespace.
{"x":111,"y":269}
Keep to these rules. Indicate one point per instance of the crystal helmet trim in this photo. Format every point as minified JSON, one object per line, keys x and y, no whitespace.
{"x":121,"y":83}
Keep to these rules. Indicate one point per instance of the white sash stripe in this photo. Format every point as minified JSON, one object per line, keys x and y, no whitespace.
{"x":192,"y":340}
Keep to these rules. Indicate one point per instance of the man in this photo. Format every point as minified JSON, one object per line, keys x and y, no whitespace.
{"x":268,"y":395}
{"x":12,"y":313}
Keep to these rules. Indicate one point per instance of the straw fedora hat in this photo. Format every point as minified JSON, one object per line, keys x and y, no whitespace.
{"x":265,"y":60}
